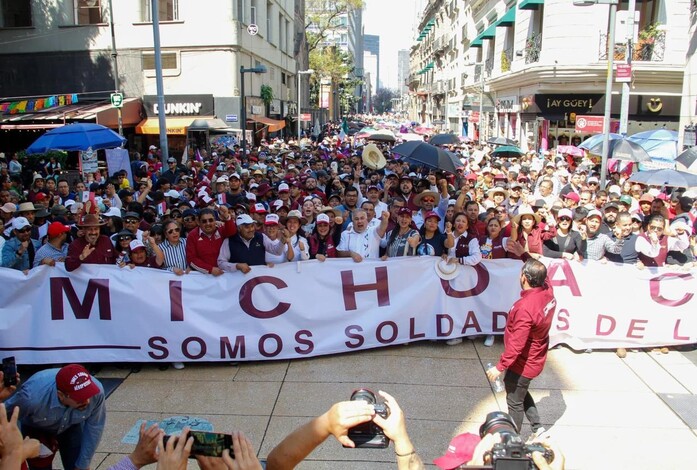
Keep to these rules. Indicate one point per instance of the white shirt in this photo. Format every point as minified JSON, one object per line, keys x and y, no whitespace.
{"x":645,"y":247}
{"x":366,"y":243}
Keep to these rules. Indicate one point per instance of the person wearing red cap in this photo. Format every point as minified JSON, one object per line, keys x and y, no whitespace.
{"x":65,"y":409}
{"x":460,"y":451}
{"x":55,"y":249}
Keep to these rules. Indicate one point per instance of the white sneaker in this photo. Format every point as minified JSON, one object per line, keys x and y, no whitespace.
{"x":178,"y":365}
{"x":489,"y":341}
{"x":454,"y":341}
{"x":536,"y":435}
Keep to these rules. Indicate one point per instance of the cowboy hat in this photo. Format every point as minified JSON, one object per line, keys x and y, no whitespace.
{"x":446,"y":271}
{"x":91,"y":220}
{"x":423,"y":194}
{"x":26,"y":207}
{"x":526,"y":211}
{"x":373,"y":157}
{"x":492,"y":191}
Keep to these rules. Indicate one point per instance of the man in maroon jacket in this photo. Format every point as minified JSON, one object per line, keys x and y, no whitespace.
{"x":526,"y":341}
{"x":203,"y":243}
{"x":92,"y":247}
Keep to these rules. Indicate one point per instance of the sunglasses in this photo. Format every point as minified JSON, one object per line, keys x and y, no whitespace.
{"x":500,"y":211}
{"x":174,"y":230}
{"x":207,"y":221}
{"x":125,"y":238}
{"x":131,"y":221}
{"x":176,"y":216}
{"x":188,"y":218}
{"x":25,"y":230}
{"x":564,"y":219}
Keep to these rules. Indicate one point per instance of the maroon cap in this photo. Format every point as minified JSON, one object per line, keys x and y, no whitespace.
{"x":74,"y":381}
{"x":460,"y":451}
{"x":404,"y":211}
{"x":573,"y":196}
{"x":430,"y":214}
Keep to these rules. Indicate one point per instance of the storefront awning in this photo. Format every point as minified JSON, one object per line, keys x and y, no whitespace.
{"x":530,"y":4}
{"x":476,"y":42}
{"x":489,"y":33}
{"x":273,"y":124}
{"x":175,"y":125}
{"x":508,"y":19}
{"x":101,"y":112}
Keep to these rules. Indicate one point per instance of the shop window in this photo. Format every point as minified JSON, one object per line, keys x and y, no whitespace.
{"x":650,"y":12}
{"x":15,"y":13}
{"x":168,"y":10}
{"x":170,"y":63}
{"x":88,"y":12}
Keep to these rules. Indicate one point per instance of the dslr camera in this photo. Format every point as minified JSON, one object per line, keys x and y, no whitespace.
{"x":511,"y":453}
{"x":369,"y":435}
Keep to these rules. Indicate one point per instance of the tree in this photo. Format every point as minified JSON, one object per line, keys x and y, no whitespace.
{"x":322,"y":18}
{"x":382,"y":101}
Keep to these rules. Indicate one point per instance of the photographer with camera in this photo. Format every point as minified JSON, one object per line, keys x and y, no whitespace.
{"x":526,"y":341}
{"x":341,"y":421}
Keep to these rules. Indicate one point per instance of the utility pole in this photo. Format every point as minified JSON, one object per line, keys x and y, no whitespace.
{"x":114,"y":58}
{"x":162,"y":119}
{"x":624,"y":110}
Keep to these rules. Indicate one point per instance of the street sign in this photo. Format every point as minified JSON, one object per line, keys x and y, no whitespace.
{"x":306,"y":117}
{"x":252,"y":29}
{"x":589,"y":124}
{"x":624,"y":73}
{"x":231,"y":118}
{"x":117,"y":100}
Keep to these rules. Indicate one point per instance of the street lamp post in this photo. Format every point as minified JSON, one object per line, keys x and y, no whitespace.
{"x":301,"y":72}
{"x":608,"y":81}
{"x":243,"y":111}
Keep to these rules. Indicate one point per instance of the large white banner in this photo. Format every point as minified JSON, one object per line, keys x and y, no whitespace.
{"x":108,"y":314}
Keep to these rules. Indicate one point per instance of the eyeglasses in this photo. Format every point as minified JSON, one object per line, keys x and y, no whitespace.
{"x":208,"y":221}
{"x":655,"y":228}
{"x":125,"y":238}
{"x":176,"y":216}
{"x":131,"y":221}
{"x":188,"y":218}
{"x":174,"y":230}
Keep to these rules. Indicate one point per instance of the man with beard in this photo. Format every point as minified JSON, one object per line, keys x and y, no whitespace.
{"x":610,"y":212}
{"x":598,"y":243}
{"x":92,"y":247}
{"x":406,"y":190}
{"x":65,"y":409}
{"x":431,"y":201}
{"x":312,"y":190}
{"x":19,"y":251}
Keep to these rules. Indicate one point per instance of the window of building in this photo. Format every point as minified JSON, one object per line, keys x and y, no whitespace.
{"x":253,"y":12}
{"x":283,"y":78}
{"x":650,"y":12}
{"x":88,"y":12}
{"x":170,"y":63}
{"x":269,"y":22}
{"x":15,"y":13}
{"x":281,"y":33}
{"x":169,"y":10}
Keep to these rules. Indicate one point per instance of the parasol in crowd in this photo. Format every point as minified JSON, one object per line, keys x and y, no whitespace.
{"x":597,"y":139}
{"x":661,"y":144}
{"x":507,"y":151}
{"x":81,"y":136}
{"x":665,"y":177}
{"x":444,"y":139}
{"x":623,"y":149}
{"x":500,"y":141}
{"x":688,"y":159}
{"x":421,"y":153}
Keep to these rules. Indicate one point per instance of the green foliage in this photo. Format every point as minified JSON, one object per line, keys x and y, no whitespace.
{"x":60,"y":156}
{"x":324,"y":17}
{"x":266,"y":94}
{"x":382,"y":100}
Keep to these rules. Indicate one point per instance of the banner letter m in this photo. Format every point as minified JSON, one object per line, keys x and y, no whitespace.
{"x":95,"y":287}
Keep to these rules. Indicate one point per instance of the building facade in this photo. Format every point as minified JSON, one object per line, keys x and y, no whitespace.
{"x":529,"y":69}
{"x":65,"y":47}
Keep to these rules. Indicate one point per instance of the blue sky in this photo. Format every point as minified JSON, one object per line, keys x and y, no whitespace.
{"x":393,"y":21}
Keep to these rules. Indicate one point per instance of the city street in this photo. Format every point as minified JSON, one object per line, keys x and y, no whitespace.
{"x":604,"y":412}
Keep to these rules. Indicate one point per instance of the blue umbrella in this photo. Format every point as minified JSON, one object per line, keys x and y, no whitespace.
{"x":421,"y":153}
{"x":665,"y":177}
{"x":597,"y":139}
{"x":659,"y":143}
{"x":77,"y":137}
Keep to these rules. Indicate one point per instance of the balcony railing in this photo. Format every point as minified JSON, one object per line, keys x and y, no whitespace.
{"x":506,"y":59}
{"x":532,"y":48}
{"x":651,"y":49}
{"x":477,"y":73}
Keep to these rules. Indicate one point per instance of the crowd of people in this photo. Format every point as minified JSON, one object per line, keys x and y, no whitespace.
{"x":281,"y":202}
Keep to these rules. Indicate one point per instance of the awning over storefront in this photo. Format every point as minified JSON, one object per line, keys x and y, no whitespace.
{"x":175,"y":125}
{"x":489,"y":33}
{"x":530,"y":4}
{"x":476,"y":42}
{"x":273,"y":124}
{"x":101,"y":112}
{"x":508,"y":19}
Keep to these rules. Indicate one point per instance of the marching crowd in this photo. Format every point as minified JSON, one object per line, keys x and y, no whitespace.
{"x":283,"y":202}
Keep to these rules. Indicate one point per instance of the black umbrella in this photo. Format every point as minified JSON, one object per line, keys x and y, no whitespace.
{"x":421,"y":153}
{"x":501,"y":141}
{"x":688,"y":159}
{"x":623,"y":149}
{"x":444,"y":139}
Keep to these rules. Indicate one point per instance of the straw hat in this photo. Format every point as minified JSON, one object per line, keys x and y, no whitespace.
{"x":423,"y":194}
{"x":446,"y":271}
{"x":526,"y":211}
{"x":373,"y":157}
{"x":495,"y":190}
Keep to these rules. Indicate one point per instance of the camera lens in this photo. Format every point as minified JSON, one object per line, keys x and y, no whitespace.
{"x":497,"y":421}
{"x":365,"y":395}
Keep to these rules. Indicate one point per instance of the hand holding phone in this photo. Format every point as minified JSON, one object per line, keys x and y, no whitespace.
{"x":9,"y":370}
{"x":209,"y":444}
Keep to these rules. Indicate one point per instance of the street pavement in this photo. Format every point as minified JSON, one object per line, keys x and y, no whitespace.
{"x":604,"y":412}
